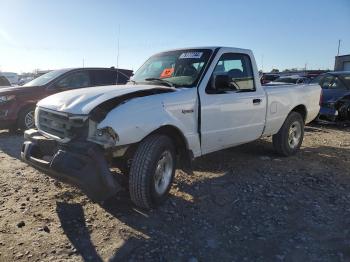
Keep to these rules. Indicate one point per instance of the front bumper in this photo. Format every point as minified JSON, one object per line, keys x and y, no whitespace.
{"x":5,"y":124}
{"x":328,"y":113}
{"x":82,"y":164}
{"x":8,"y":114}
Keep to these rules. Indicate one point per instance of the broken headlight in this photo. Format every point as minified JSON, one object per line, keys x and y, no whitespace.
{"x":105,"y":137}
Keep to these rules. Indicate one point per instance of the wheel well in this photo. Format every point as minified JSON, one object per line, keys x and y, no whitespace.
{"x":25,"y":107}
{"x":301,"y":109}
{"x":184,"y":155}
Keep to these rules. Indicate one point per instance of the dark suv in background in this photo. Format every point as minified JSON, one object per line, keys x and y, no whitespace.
{"x":17,"y":104}
{"x":335,"y":97}
{"x":4,"y":81}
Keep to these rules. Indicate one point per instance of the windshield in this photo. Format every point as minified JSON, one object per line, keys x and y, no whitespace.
{"x":181,"y":68}
{"x":46,"y":78}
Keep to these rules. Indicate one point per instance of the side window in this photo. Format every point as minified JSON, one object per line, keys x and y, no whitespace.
{"x":326,"y":82}
{"x":75,"y":80}
{"x":234,"y":72}
{"x":103,"y":77}
{"x":337,"y":84}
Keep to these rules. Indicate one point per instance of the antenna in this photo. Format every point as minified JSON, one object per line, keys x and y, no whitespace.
{"x":83,"y":62}
{"x":118,"y":36}
{"x":338,"y":46}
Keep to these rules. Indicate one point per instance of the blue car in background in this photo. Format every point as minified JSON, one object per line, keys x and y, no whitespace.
{"x":335,"y":97}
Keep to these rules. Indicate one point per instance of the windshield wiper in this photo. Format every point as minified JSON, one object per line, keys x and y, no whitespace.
{"x":167,"y":83}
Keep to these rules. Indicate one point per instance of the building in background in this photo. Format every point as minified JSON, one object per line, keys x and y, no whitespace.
{"x":342,"y":63}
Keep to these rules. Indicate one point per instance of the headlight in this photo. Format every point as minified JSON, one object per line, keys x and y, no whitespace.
{"x":4,"y":99}
{"x":105,"y":137}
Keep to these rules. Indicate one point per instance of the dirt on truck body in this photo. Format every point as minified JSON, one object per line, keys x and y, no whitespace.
{"x":240,"y":204}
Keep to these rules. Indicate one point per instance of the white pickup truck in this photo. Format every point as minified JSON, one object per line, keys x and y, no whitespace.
{"x":181,"y":104}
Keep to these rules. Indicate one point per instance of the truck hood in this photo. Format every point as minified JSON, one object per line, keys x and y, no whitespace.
{"x":82,"y":101}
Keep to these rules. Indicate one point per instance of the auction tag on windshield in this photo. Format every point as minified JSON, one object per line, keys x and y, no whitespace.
{"x":195,"y":55}
{"x":167,"y":72}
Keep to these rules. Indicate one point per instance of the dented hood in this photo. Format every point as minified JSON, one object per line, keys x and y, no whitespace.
{"x":82,"y":101}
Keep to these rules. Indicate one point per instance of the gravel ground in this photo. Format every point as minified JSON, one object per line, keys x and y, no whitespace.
{"x":240,"y":204}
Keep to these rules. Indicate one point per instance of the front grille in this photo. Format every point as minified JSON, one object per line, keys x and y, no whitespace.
{"x":58,"y":125}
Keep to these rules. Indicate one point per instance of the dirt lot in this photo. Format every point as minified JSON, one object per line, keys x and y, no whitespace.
{"x":241,"y":204}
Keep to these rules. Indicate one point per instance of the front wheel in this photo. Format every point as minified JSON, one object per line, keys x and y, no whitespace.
{"x":26,"y":119}
{"x":152,"y":171}
{"x":290,"y":137}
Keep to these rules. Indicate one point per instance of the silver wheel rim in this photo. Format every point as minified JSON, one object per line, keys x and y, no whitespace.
{"x":164,"y":170}
{"x":294,"y":134}
{"x":29,"y":119}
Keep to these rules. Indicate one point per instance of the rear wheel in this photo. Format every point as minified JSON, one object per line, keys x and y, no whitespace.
{"x":290,"y":137}
{"x":152,"y":171}
{"x":26,"y":119}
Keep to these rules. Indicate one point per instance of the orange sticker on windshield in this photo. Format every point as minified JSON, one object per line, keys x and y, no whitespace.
{"x":167,"y":72}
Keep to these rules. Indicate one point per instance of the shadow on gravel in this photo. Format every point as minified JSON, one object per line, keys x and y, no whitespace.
{"x":72,"y":220}
{"x":11,"y":144}
{"x":253,"y":208}
{"x":257,"y":212}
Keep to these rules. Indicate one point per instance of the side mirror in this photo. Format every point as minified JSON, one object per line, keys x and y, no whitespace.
{"x":220,"y":83}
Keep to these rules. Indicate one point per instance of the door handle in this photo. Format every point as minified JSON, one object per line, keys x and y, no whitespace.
{"x":256,"y":101}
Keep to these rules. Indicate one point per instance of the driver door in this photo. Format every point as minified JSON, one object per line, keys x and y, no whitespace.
{"x":236,"y":114}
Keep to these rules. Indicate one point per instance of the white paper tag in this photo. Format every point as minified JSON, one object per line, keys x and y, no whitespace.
{"x":195,"y":55}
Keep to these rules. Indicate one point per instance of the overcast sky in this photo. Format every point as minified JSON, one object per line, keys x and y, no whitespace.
{"x":48,"y":34}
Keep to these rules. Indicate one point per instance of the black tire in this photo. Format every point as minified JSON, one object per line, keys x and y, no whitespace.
{"x":21,"y":122}
{"x":281,"y":140}
{"x":142,"y":176}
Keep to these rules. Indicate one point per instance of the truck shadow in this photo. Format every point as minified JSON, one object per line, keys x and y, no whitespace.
{"x":72,"y":220}
{"x":11,"y":144}
{"x":200,"y":214}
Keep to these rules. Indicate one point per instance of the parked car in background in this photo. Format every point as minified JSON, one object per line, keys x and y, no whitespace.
{"x":17,"y":104}
{"x":294,"y":79}
{"x":267,"y":78}
{"x":335,"y":99}
{"x":4,"y":82}
{"x":11,"y":77}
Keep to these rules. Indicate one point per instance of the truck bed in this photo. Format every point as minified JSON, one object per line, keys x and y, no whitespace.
{"x":282,"y":98}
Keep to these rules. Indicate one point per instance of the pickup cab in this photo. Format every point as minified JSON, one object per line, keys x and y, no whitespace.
{"x":180,"y":105}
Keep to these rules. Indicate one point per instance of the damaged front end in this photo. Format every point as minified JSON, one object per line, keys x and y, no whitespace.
{"x":76,"y":149}
{"x":71,"y":150}
{"x":336,"y":111}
